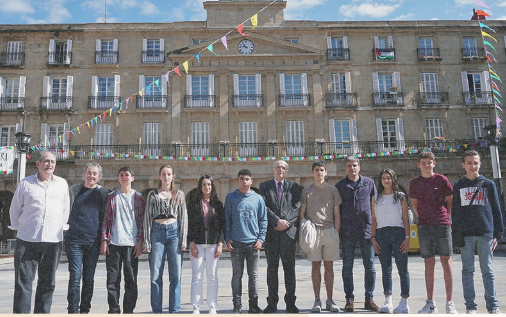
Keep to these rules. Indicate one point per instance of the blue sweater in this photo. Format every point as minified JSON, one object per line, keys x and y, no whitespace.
{"x":245,"y":217}
{"x":484,"y":216}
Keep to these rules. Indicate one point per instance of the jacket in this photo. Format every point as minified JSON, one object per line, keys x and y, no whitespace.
{"x":196,"y":227}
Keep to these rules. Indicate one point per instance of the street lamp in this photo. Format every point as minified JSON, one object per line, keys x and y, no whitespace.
{"x":23,"y":144}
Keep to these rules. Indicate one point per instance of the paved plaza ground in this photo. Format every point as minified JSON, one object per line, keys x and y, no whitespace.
{"x":304,"y":287}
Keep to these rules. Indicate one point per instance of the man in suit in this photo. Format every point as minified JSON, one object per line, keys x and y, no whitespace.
{"x":282,"y":199}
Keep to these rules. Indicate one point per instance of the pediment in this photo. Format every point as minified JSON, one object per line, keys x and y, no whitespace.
{"x":263,"y":46}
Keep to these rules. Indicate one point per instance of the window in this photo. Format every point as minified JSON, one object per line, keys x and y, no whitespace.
{"x":387,"y":88}
{"x":12,"y":93}
{"x":8,"y":134}
{"x":105,"y":92}
{"x":430,"y":88}
{"x":200,"y":139}
{"x":343,"y":136}
{"x":103,"y":137}
{"x":384,"y":48}
{"x":293,"y":90}
{"x":154,"y":92}
{"x":434,"y":128}
{"x":294,"y":138}
{"x":340,"y":88}
{"x":152,"y":135}
{"x":425,"y":44}
{"x":57,"y":93}
{"x":337,"y":48}
{"x":14,"y":54}
{"x":247,"y":90}
{"x":390,"y":134}
{"x":197,"y":41}
{"x":470,"y":46}
{"x":153,"y":51}
{"x":295,"y":41}
{"x":54,"y":136}
{"x":477,"y":125}
{"x":200,"y":91}
{"x":60,"y":53}
{"x":106,"y":51}
{"x":247,"y":138}
{"x":476,"y":88}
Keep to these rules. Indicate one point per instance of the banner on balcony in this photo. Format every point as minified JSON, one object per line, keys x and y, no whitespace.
{"x":385,"y":55}
{"x":6,"y":160}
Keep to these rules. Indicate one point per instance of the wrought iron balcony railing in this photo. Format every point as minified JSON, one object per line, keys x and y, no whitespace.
{"x":432,"y":98}
{"x":247,"y":101}
{"x":152,"y":102}
{"x":12,"y":59}
{"x":12,"y":103}
{"x":56,"y":103}
{"x":383,"y":54}
{"x":338,"y":54}
{"x":200,"y":101}
{"x":337,"y":100}
{"x":388,"y":98}
{"x":473,"y":54}
{"x":153,"y":57}
{"x":226,"y":149}
{"x":478,"y":98}
{"x":103,"y":102}
{"x":428,"y":54}
{"x":106,"y":57}
{"x":59,"y":58}
{"x":294,"y":100}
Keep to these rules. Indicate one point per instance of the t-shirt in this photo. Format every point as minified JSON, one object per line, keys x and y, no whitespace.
{"x":388,"y":213}
{"x":84,"y":222}
{"x":320,"y":204}
{"x":124,"y":228}
{"x":431,"y":193}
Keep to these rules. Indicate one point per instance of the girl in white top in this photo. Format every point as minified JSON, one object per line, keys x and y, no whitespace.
{"x":390,"y":236}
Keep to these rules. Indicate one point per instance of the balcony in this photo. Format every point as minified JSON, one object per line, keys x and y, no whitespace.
{"x":473,"y":54}
{"x":12,"y":59}
{"x":12,"y":103}
{"x":200,"y":101}
{"x":106,"y":57}
{"x":388,"y":98}
{"x":59,"y":59}
{"x":472,"y":98}
{"x":248,"y":101}
{"x":428,"y":54}
{"x":335,"y":100}
{"x":103,"y":102}
{"x":294,"y":100}
{"x":432,"y":98}
{"x":452,"y":148}
{"x":152,"y":102}
{"x":153,"y":57}
{"x":383,"y":54}
{"x":56,"y":103}
{"x":338,"y":54}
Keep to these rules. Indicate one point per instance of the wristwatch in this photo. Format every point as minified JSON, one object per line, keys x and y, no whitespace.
{"x":407,"y":237}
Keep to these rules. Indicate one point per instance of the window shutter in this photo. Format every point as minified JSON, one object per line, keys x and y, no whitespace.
{"x":188,"y":85}
{"x":345,"y":42}
{"x":70,"y":91}
{"x":329,"y":42}
{"x":376,"y":42}
{"x":485,"y":77}
{"x":47,"y":84}
{"x":281,"y":84}
{"x":22,"y":89}
{"x":332,"y":133}
{"x":66,"y":128}
{"x":401,"y":145}
{"x":2,"y":87}
{"x":396,"y":76}
{"x":465,"y":82}
{"x":211,"y":91}
{"x":44,"y":132}
{"x":94,"y":92}
{"x":354,"y":135}
{"x":347,"y":79}
{"x":52,"y":49}
{"x":68,"y":55}
{"x":98,"y":49}
{"x":117,"y":94}
{"x":144,"y":45}
{"x":258,"y":89}
{"x":142,"y":82}
{"x":235,"y":78}
{"x":390,"y":41}
{"x":162,"y":46}
{"x":379,"y":132}
{"x":164,"y":91}
{"x":115,"y":45}
{"x":375,"y":88}
{"x":303,"y":82}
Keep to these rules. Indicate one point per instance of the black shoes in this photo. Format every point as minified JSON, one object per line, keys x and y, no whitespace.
{"x":254,"y":310}
{"x":237,"y":309}
{"x":270,"y":309}
{"x":292,"y":309}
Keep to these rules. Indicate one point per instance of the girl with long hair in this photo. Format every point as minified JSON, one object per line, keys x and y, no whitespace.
{"x":390,"y":236}
{"x":206,"y":227}
{"x":165,"y":234}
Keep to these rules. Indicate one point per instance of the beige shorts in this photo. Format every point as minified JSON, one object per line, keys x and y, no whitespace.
{"x":327,"y":245}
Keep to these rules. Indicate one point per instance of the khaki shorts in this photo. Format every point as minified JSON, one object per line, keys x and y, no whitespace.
{"x":327,"y":245}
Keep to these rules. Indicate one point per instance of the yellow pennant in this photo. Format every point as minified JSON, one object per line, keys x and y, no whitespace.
{"x":486,"y":34}
{"x":254,"y":20}
{"x":185,"y":66}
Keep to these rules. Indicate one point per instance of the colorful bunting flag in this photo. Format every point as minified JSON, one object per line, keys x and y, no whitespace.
{"x":185,"y":66}
{"x":224,"y":41}
{"x":254,"y":20}
{"x":240,"y":28}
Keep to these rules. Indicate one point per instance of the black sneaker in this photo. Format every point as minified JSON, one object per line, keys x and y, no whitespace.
{"x":270,"y":309}
{"x":292,"y":309}
{"x":237,"y":309}
{"x":254,"y":310}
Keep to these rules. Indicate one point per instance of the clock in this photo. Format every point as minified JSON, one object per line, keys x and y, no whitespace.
{"x":246,"y":47}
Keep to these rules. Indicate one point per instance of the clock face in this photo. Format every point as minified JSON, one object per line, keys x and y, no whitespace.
{"x":246,"y":47}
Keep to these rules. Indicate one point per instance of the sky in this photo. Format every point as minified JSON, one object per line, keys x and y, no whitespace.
{"x":93,"y":11}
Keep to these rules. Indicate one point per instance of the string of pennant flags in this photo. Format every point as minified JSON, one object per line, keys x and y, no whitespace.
{"x":156,"y":84}
{"x":490,"y":60}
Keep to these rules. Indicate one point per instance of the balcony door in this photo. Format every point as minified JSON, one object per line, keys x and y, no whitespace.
{"x":294,"y":138}
{"x":200,"y":139}
{"x":247,"y":139}
{"x":430,"y":87}
{"x":152,"y":134}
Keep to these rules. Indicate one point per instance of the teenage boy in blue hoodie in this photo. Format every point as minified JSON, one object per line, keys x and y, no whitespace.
{"x":245,"y":229}
{"x":477,"y":215}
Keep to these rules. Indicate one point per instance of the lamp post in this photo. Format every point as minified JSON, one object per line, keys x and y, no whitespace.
{"x":23,"y":144}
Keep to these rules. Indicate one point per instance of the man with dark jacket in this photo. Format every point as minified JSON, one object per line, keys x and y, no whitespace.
{"x":282,"y":199}
{"x":357,"y":193}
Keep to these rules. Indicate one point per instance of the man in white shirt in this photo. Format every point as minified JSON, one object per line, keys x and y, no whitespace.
{"x":39,"y":212}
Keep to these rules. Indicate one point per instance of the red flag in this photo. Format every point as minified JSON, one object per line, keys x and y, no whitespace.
{"x":240,"y":28}
{"x":479,"y":12}
{"x":378,"y":53}
{"x":176,"y":70}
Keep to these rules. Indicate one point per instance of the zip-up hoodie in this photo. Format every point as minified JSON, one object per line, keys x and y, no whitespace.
{"x":245,"y":217}
{"x":484,"y":216}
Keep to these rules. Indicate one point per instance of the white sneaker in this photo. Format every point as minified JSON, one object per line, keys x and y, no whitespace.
{"x":403,"y":307}
{"x":332,"y":306}
{"x":212,"y":310}
{"x":471,"y":311}
{"x":196,"y":309}
{"x":450,"y":308}
{"x":317,"y":306}
{"x":429,"y":308}
{"x":494,"y":311}
{"x":387,"y":306}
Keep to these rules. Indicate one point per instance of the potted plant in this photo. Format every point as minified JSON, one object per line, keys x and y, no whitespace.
{"x":393,"y":90}
{"x":439,"y":58}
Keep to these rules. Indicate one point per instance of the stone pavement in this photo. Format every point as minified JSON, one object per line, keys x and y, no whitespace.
{"x":304,"y":287}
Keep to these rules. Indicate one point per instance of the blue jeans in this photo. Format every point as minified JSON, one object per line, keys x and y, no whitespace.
{"x":241,"y":252}
{"x":82,"y":261}
{"x":348,"y":249}
{"x":390,"y":240}
{"x":165,"y":243}
{"x":485,"y":256}
{"x":29,"y":258}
